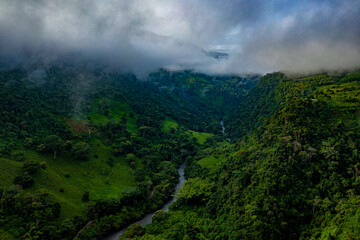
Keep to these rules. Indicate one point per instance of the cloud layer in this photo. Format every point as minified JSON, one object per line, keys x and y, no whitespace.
{"x":141,"y":35}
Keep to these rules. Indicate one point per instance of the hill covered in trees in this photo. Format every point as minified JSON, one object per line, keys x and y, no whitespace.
{"x":80,"y":145}
{"x":292,"y":174}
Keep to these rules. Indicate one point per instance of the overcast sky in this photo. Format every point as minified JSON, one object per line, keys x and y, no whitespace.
{"x":142,"y":35}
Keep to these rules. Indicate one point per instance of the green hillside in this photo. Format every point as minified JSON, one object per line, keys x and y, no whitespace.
{"x":103,"y":148}
{"x":295,"y":176}
{"x":85,"y":141}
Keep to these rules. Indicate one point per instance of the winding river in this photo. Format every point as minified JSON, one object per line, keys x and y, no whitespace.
{"x":148,"y":218}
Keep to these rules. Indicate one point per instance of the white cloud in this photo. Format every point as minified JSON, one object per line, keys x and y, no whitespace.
{"x":141,"y":35}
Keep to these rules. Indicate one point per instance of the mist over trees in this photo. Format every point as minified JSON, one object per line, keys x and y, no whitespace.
{"x":250,"y":108}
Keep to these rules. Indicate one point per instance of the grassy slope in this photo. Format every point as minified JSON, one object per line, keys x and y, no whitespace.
{"x":94,"y":175}
{"x":8,"y":169}
{"x":200,"y":136}
{"x":212,"y":162}
{"x":168,"y":124}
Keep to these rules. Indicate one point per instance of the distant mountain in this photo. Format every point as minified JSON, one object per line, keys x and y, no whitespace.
{"x":217,"y":55}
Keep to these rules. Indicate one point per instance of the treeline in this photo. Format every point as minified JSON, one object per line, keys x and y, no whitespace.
{"x":215,"y":96}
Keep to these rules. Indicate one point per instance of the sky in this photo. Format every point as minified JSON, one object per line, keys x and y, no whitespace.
{"x":260,"y":36}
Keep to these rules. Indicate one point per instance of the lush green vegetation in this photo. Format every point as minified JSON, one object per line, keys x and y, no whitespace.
{"x":259,"y":104}
{"x":169,"y":124}
{"x":84,"y":146}
{"x":215,"y":96}
{"x":294,"y":175}
{"x":88,"y":140}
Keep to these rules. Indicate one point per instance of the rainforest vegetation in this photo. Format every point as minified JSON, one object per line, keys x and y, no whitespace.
{"x":79,"y":145}
{"x":291,"y":173}
{"x":98,"y":148}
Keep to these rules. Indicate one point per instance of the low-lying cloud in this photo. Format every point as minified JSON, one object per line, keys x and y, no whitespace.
{"x":142,"y":35}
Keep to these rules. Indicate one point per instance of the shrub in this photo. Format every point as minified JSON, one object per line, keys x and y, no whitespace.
{"x":130,"y":158}
{"x":68,"y":145}
{"x":43,"y":165}
{"x":41,"y":148}
{"x":131,"y":196}
{"x":104,"y":207}
{"x":140,"y":175}
{"x":24,"y":180}
{"x":81,"y":150}
{"x":31,"y":167}
{"x":134,"y":230}
{"x":18,"y":156}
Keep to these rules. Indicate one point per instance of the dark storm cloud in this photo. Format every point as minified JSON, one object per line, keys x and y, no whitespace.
{"x":141,"y":35}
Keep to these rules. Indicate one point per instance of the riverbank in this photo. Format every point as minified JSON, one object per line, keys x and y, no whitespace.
{"x":148,"y":218}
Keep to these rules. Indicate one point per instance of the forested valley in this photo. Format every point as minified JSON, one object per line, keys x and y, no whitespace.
{"x":87,"y":151}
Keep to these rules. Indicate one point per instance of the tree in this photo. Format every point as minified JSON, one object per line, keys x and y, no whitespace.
{"x":134,"y":230}
{"x":131,"y":196}
{"x":140,"y":175}
{"x":18,"y":156}
{"x":24,"y":180}
{"x":124,"y":147}
{"x":31,"y":167}
{"x":68,"y":145}
{"x":81,"y":151}
{"x":54,"y":143}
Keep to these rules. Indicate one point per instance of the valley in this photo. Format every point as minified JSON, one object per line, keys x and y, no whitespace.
{"x":128,"y":134}
{"x":179,"y":120}
{"x":107,"y":154}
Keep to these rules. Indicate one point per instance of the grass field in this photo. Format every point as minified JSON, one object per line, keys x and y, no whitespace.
{"x":200,"y":136}
{"x":75,"y":177}
{"x":212,"y":162}
{"x":169,"y":123}
{"x":8,"y":169}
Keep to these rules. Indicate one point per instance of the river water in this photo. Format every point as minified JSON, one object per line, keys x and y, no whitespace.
{"x":148,"y":218}
{"x":223,"y":130}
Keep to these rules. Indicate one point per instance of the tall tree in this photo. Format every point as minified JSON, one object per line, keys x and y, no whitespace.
{"x":53,"y":143}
